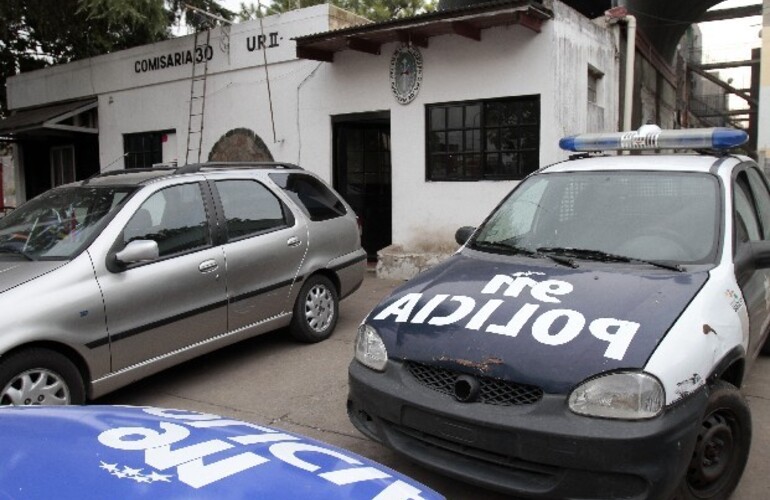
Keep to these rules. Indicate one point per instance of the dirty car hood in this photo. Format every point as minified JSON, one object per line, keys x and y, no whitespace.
{"x":532,"y":321}
{"x":15,"y":273}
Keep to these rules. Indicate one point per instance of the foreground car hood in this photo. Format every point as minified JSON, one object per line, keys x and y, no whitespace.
{"x":124,"y":452}
{"x":17,"y":272}
{"x":533,"y":321}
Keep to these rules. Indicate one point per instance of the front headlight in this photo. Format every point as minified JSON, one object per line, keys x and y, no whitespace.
{"x":370,"y":350}
{"x":627,"y":395}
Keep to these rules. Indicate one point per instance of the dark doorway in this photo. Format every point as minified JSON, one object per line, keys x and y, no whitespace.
{"x":51,"y":160}
{"x":362,"y":174}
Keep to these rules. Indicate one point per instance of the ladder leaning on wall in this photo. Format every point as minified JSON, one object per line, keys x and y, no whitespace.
{"x":200,"y":70}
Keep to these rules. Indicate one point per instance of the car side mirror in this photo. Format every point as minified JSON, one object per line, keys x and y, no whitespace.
{"x":138,"y":251}
{"x":464,"y":234}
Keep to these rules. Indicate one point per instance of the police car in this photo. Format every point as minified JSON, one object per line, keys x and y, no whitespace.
{"x":589,"y":339}
{"x":144,"y":452}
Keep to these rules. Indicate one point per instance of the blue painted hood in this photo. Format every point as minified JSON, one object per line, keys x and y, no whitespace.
{"x":131,"y":452}
{"x":533,"y":321}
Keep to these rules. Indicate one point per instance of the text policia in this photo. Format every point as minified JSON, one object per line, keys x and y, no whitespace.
{"x":552,"y":327}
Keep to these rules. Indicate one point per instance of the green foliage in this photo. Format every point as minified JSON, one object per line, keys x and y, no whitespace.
{"x":39,"y":33}
{"x":374,"y":10}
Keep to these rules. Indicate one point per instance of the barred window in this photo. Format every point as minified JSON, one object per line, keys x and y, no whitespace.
{"x":483,"y":140}
{"x":145,"y":149}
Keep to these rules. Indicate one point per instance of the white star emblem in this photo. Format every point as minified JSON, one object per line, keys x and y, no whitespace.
{"x":128,"y":471}
{"x":108,"y":467}
{"x":155,"y":477}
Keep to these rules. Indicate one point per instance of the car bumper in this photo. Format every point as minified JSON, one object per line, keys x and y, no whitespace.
{"x":541,"y":450}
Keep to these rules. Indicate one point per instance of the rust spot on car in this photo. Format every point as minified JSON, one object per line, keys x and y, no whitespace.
{"x":707,"y":329}
{"x":482,"y":366}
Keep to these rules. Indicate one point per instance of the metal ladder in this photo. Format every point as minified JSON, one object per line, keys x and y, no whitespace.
{"x":200,"y":71}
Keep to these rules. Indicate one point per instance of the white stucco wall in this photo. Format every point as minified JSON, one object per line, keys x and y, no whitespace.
{"x":508,"y":61}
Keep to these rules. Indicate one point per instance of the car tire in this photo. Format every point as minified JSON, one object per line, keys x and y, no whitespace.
{"x":316,"y":310}
{"x":722,"y":448}
{"x":40,"y":377}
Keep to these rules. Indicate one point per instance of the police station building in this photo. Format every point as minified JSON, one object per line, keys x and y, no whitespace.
{"x":422,"y":124}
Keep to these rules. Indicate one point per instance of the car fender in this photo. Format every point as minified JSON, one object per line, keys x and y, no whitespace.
{"x":714,"y":324}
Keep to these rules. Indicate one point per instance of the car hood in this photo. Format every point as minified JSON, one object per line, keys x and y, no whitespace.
{"x":131,"y":452}
{"x":15,"y":273}
{"x":533,"y":321}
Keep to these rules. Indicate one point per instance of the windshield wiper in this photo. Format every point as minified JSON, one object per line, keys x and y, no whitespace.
{"x":504,"y":247}
{"x":599,"y":255}
{"x":514,"y":249}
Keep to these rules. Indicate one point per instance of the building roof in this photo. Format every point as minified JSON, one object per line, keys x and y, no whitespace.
{"x":31,"y":119}
{"x":465,"y":21}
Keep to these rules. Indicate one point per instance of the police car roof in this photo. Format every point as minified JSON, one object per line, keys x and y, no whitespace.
{"x":648,"y":162}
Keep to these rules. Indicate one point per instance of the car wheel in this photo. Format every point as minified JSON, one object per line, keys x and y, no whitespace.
{"x":722,"y":447}
{"x":40,"y":377}
{"x":315,"y":312}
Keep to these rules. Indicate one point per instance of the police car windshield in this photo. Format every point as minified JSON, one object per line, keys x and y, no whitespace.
{"x":650,"y":216}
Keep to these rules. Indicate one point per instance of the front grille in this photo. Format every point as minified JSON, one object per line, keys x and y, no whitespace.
{"x":492,"y":391}
{"x":538,"y":473}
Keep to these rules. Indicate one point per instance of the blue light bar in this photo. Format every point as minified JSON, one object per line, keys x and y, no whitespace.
{"x":652,"y":137}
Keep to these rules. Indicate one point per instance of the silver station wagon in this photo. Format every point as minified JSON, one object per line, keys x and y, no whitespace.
{"x":108,"y":280}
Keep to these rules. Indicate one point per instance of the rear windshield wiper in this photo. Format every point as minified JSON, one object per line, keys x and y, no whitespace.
{"x":598,"y":255}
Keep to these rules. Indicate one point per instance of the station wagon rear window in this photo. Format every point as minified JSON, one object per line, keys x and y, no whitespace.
{"x":311,"y":195}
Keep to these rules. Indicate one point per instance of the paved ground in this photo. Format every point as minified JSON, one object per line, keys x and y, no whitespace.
{"x":303,"y":388}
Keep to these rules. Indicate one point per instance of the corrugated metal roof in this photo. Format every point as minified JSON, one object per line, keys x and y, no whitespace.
{"x":466,"y":21}
{"x":23,"y":120}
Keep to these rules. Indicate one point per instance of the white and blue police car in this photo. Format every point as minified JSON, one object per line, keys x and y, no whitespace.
{"x":589,"y":339}
{"x":77,"y":452}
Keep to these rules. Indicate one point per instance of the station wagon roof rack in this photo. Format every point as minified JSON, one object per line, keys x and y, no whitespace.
{"x":197,"y":167}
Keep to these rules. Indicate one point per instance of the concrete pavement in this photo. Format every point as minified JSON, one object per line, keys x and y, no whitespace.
{"x":303,"y":388}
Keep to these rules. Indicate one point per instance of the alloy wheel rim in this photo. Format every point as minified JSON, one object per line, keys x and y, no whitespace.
{"x":319,"y":308}
{"x":38,"y":386}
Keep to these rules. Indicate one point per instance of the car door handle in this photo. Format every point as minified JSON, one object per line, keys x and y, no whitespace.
{"x":207,"y":266}
{"x":293,"y":241}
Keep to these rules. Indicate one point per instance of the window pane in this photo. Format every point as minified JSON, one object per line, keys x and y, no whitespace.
{"x":438,"y":142}
{"x":455,"y":141}
{"x":473,"y":168}
{"x":473,"y":140}
{"x":508,"y":139}
{"x":455,"y":166}
{"x":437,"y":167}
{"x":455,"y":118}
{"x":438,"y":118}
{"x":473,"y":116}
{"x":249,"y":207}
{"x":174,"y":217}
{"x":311,"y":195}
{"x":493,"y":139}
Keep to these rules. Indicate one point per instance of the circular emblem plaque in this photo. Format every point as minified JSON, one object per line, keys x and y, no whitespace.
{"x":405,"y":74}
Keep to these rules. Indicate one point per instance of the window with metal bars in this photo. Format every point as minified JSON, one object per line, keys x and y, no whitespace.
{"x":494,"y":139}
{"x":144,"y":149}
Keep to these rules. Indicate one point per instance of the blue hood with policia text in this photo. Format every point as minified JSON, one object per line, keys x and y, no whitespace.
{"x":517,"y":318}
{"x":143,"y":452}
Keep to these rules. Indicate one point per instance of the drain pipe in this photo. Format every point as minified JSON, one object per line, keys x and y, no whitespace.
{"x":620,"y":14}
